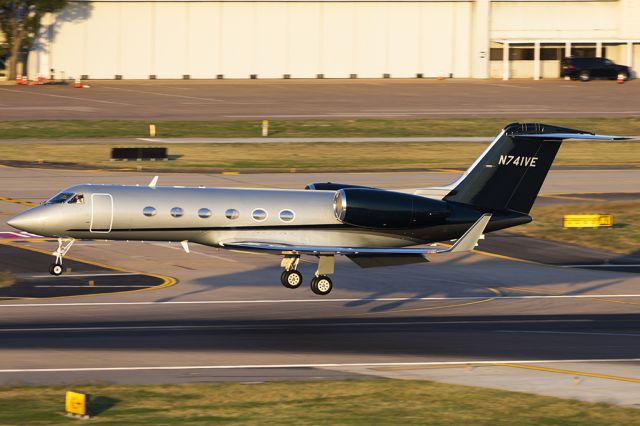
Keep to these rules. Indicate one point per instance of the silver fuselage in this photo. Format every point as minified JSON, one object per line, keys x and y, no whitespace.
{"x":115,"y":212}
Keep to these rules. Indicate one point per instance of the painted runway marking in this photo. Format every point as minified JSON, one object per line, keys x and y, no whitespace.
{"x":93,"y":286}
{"x":10,"y":235}
{"x":324,"y":300}
{"x":261,"y":326}
{"x":327,"y":365}
{"x":67,"y":97}
{"x":570,"y":372}
{"x":85,"y":275}
{"x":585,"y":333}
{"x":608,"y":265}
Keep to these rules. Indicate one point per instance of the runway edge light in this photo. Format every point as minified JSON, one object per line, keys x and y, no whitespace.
{"x":76,"y":404}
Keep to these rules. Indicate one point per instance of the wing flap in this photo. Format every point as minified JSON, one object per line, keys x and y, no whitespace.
{"x":465,"y":243}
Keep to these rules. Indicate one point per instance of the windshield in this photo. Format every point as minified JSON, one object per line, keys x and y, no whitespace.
{"x":66,"y":197}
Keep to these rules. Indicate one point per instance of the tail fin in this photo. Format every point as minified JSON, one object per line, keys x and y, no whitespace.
{"x":510,"y":172}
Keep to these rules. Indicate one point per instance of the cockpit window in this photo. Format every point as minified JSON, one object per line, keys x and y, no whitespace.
{"x":66,"y":197}
{"x":76,"y":199}
{"x":60,"y":198}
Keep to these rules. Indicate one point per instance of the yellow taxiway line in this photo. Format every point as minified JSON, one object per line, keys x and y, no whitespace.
{"x":570,"y":372}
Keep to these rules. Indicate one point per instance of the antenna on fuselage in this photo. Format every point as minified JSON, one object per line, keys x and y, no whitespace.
{"x":153,"y":182}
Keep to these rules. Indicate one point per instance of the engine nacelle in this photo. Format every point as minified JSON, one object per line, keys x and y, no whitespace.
{"x":330,"y":186}
{"x":377,"y":208}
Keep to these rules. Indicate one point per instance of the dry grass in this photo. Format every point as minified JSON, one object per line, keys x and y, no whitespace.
{"x":310,"y":403}
{"x":623,"y":238}
{"x":316,"y":156}
{"x":61,"y":129}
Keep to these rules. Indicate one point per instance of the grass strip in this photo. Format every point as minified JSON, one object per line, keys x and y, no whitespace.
{"x":363,"y":402}
{"x":64,"y":129}
{"x":622,"y":238}
{"x":282,"y":157}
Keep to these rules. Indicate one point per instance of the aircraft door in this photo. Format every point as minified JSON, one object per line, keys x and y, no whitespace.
{"x":101,"y":213}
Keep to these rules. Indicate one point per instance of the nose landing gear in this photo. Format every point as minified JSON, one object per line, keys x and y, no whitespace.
{"x":64,"y":245}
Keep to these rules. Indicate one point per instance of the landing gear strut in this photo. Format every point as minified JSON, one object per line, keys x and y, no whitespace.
{"x":63,"y":247}
{"x":320,"y":284}
{"x":290,"y":277}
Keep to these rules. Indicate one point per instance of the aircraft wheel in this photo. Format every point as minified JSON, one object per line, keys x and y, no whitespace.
{"x":55,"y":269}
{"x":291,"y":279}
{"x":321,"y":285}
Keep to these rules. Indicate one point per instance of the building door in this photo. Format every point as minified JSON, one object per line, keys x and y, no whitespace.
{"x":101,"y":213}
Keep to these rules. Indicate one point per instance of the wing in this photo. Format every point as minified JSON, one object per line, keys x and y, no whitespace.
{"x":465,"y":243}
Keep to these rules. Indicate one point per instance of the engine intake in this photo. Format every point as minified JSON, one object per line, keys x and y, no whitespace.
{"x":377,"y":208}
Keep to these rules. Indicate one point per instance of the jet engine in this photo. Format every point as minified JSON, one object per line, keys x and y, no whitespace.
{"x":377,"y":208}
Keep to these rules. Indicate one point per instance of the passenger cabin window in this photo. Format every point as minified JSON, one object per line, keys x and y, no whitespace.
{"x":259,"y":215}
{"x":204,"y":213}
{"x":287,"y":215}
{"x":232,"y":214}
{"x":177,"y":212}
{"x":149,"y":211}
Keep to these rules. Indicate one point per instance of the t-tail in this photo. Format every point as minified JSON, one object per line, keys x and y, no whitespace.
{"x":510,"y":172}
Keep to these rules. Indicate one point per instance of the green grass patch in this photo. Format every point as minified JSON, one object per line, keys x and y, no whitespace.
{"x":6,"y":279}
{"x":381,"y":402}
{"x":622,"y":238}
{"x":315,"y":156}
{"x":64,"y":129}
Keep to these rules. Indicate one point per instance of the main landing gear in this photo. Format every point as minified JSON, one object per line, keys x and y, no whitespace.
{"x":320,"y":284}
{"x":63,"y":247}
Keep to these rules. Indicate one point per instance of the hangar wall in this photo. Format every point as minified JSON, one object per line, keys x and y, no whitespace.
{"x":137,"y":39}
{"x":266,"y":39}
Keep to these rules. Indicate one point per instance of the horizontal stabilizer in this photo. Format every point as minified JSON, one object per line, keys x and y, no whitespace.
{"x":573,"y":136}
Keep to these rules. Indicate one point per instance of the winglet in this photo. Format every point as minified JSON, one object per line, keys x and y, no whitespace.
{"x":153,"y":182}
{"x":470,"y":238}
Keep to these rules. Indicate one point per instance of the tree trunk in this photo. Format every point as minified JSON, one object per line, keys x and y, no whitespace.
{"x":13,"y":60}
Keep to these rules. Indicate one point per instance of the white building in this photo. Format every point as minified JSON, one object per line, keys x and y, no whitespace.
{"x":131,"y":39}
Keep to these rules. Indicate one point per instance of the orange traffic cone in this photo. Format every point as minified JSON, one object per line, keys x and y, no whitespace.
{"x":620,"y":79}
{"x":77,"y":84}
{"x":36,"y":80}
{"x":25,"y":80}
{"x":19,"y":79}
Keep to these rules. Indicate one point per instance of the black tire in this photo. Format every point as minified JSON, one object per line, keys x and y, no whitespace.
{"x":55,"y":269}
{"x":584,"y":76}
{"x":321,"y":285}
{"x":291,"y":279}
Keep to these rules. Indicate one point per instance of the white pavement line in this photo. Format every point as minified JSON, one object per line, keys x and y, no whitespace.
{"x":67,"y":97}
{"x":269,"y":326}
{"x":85,"y":275}
{"x":586,"y":333}
{"x":328,"y":365}
{"x":323,"y":300}
{"x":171,"y":95}
{"x":93,"y":286}
{"x":607,"y":265}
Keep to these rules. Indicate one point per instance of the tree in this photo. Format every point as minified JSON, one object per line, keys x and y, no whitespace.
{"x":20,"y":22}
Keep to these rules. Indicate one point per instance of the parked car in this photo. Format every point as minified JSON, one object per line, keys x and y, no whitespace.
{"x":586,"y":69}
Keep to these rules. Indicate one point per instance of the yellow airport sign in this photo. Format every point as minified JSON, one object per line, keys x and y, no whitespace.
{"x":75,"y":403}
{"x":587,"y":220}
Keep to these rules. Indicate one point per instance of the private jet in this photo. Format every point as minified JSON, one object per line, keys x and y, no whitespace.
{"x":370,"y":226}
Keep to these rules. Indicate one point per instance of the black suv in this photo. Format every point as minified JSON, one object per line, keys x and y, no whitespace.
{"x":587,"y":68}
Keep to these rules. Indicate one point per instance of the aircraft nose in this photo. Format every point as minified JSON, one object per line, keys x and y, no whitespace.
{"x":30,"y":221}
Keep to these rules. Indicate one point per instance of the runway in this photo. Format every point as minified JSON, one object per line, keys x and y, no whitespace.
{"x":229,"y":319}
